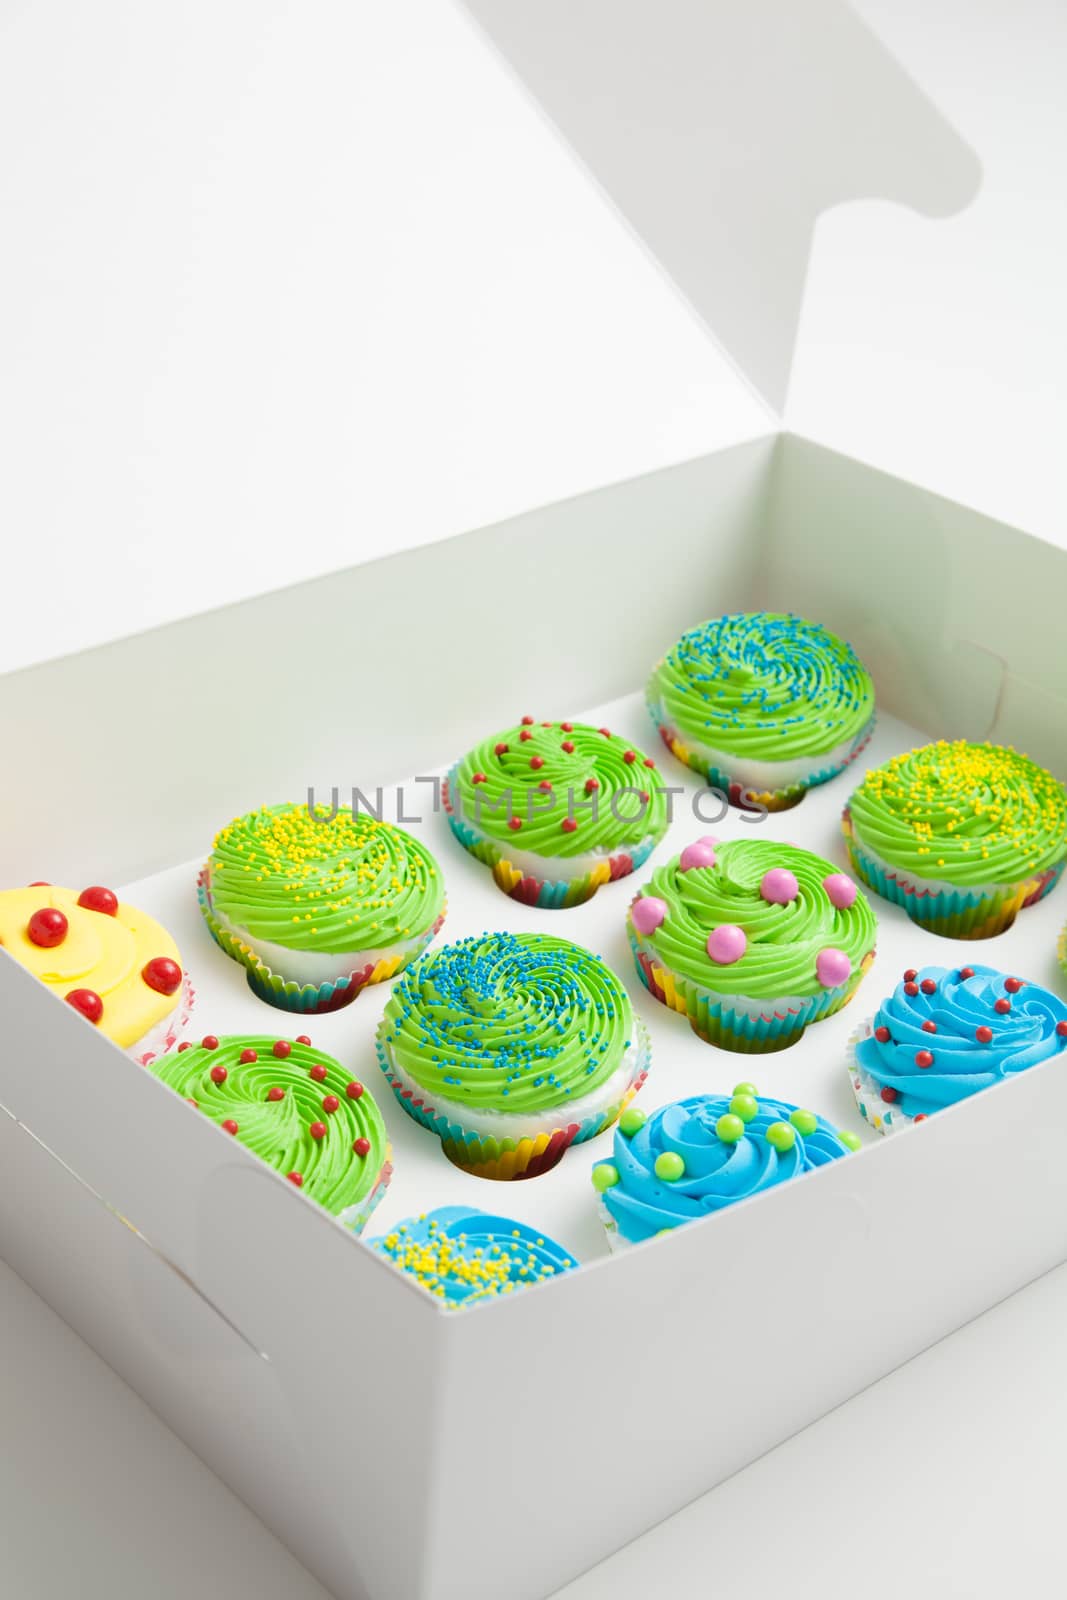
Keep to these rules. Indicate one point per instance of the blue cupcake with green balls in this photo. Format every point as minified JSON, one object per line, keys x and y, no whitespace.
{"x":693,"y":1157}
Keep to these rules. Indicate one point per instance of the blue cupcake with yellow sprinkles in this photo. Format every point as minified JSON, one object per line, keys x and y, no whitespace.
{"x":693,"y":1157}
{"x":462,"y":1255}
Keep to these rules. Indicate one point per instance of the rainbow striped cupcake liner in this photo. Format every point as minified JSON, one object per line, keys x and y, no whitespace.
{"x":716,"y":1021}
{"x":306,"y":998}
{"x":355,"y":1218}
{"x":740,"y":794}
{"x":525,"y":1155}
{"x":957,"y":913}
{"x":531,"y":890}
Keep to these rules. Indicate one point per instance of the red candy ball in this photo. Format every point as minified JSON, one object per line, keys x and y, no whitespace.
{"x":545,"y":785}
{"x":568,"y":825}
{"x":247,"y":1057}
{"x":965,"y":973}
{"x":318,"y":1072}
{"x":924,"y":1058}
{"x":39,"y":883}
{"x":302,"y":1038}
{"x":919,"y":1117}
{"x":282,"y":1048}
{"x":1002,"y":1005}
{"x":929,"y":1027}
{"x":479,"y":777}
{"x":514,"y":823}
{"x":162,"y":974}
{"x":1013,"y":985}
{"x":911,"y":975}
{"x":95,"y":898}
{"x":605,"y":731}
{"x":568,"y":727}
{"x":629,"y":756}
{"x":185,"y":1045}
{"x":568,"y":745}
{"x":592,"y":785}
{"x":537,"y":762}
{"x":649,"y":761}
{"x":928,"y":986}
{"x":210,"y":1041}
{"x":276,"y":1093}
{"x":527,"y":722}
{"x":984,"y":1035}
{"x":318,"y":1130}
{"x":219,"y":1074}
{"x":500,"y":749}
{"x":1061,"y":1029}
{"x":524,"y":735}
{"x":330,"y":1103}
{"x":361,"y":1147}
{"x":87,"y":1002}
{"x":911,"y":988}
{"x":882,"y":1035}
{"x":47,"y":927}
{"x":353,"y":1090}
{"x":889,"y":1095}
{"x":296,"y":1178}
{"x":229,"y":1126}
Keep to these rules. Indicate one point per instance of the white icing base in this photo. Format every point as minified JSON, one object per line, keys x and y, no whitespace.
{"x":909,"y":881}
{"x":314,"y":967}
{"x":527,"y":1124}
{"x":557,"y":869}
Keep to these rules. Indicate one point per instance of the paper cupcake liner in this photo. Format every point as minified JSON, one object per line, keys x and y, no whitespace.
{"x":167,"y":1033}
{"x":738,"y":792}
{"x":716,"y":1021}
{"x":546,"y":892}
{"x":883,"y":1116}
{"x":306,"y":998}
{"x":958,"y":913}
{"x":355,"y":1218}
{"x":526,"y":1155}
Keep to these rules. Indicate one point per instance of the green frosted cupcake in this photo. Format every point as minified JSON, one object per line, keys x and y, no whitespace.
{"x":752,"y":940}
{"x":318,"y":907}
{"x":763,"y":705}
{"x":963,"y":836}
{"x":296,"y":1108}
{"x":555,"y":809}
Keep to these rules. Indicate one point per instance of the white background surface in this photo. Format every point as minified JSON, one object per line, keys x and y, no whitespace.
{"x":221,"y":337}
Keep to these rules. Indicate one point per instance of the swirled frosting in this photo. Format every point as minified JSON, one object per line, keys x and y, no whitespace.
{"x":297,"y":1108}
{"x":338,"y":884}
{"x":944,"y":1033}
{"x":101,"y":954}
{"x":696,"y":1156}
{"x":784,"y":902}
{"x":462,"y":1255}
{"x":962,"y":814}
{"x":560,"y":789}
{"x":765,"y":685}
{"x":509,"y":1022}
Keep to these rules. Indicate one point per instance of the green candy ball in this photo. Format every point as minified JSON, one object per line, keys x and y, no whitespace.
{"x":632,"y":1121}
{"x":745,"y":1106}
{"x":804,"y":1122}
{"x":730,"y":1128}
{"x":850,"y":1141}
{"x":605,"y":1176}
{"x":747,"y":1088}
{"x":670,"y":1166}
{"x":781,"y":1137}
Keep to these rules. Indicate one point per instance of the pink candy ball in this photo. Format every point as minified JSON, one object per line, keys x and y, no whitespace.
{"x":648,"y":913}
{"x":727,"y":944}
{"x":698,"y":854}
{"x":832,"y":967}
{"x":779,"y":886}
{"x":841,"y":890}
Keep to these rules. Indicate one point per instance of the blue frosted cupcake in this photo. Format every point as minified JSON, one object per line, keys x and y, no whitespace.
{"x":944,"y":1034}
{"x":462,"y":1255}
{"x":695,"y":1156}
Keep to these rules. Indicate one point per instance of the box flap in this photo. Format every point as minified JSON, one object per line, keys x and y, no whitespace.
{"x":722,"y":131}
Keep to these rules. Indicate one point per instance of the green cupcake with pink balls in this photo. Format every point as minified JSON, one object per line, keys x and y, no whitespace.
{"x":752,"y":940}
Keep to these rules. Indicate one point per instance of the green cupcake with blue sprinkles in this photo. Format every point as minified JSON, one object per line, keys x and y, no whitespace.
{"x":764,"y":705}
{"x":694,"y":1157}
{"x":511,"y":1047}
{"x":463,"y":1256}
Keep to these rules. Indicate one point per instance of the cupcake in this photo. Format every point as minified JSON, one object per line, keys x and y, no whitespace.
{"x":462,"y":1255}
{"x":316,"y":908}
{"x":943,"y":1034}
{"x":751,"y":940}
{"x":111,"y":962}
{"x":297,"y":1109}
{"x":510,"y":1047}
{"x":555,"y":809}
{"x":763,"y":705}
{"x":963,"y":836}
{"x":695,"y":1156}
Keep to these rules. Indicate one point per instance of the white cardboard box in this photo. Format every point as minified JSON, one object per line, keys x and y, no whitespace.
{"x":401,"y":1451}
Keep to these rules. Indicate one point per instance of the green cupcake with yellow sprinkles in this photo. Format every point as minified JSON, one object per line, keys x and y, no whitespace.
{"x":963,"y":836}
{"x":316,"y":906}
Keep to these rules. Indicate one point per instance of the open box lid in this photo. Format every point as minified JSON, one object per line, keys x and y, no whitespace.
{"x":723,"y":131}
